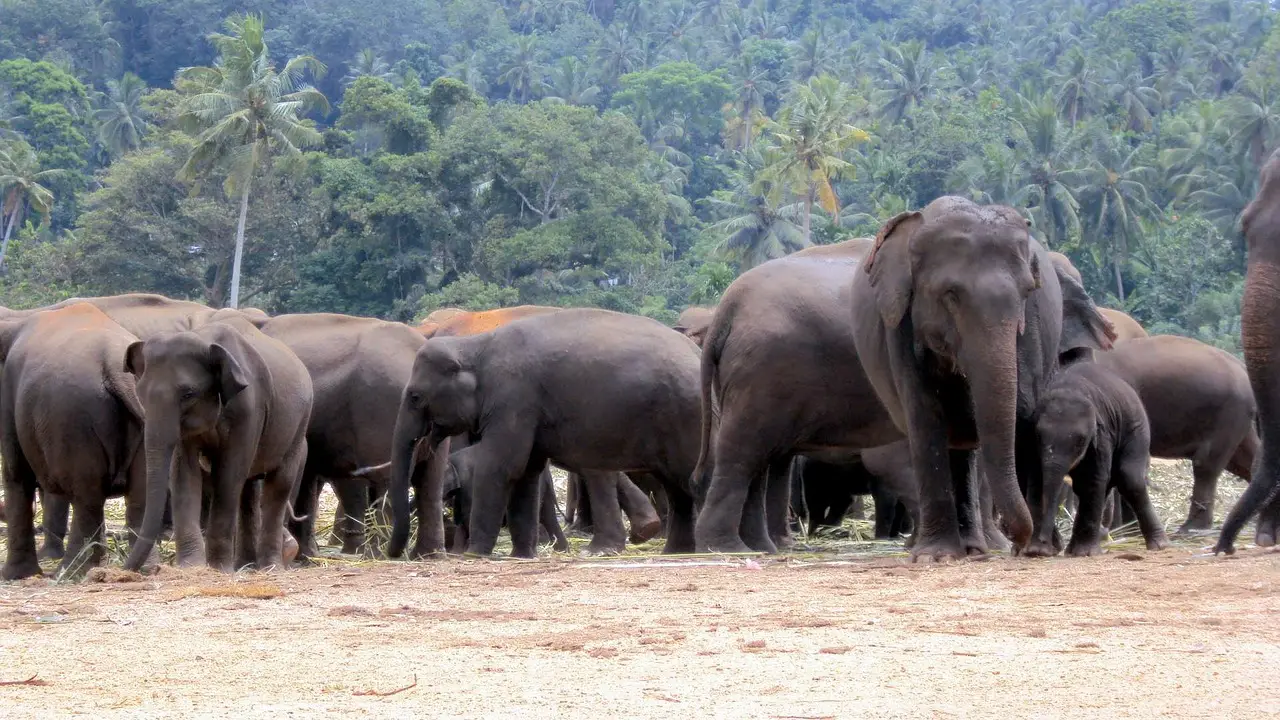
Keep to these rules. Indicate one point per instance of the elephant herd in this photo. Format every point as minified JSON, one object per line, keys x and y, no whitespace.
{"x":950,"y":367}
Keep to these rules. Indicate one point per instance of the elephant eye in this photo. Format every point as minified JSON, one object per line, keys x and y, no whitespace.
{"x":188,"y":394}
{"x":415,"y":398}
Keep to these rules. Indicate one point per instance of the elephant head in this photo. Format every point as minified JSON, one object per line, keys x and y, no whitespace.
{"x":957,"y":276}
{"x":1066,"y":423}
{"x":184,"y":381}
{"x":439,"y":401}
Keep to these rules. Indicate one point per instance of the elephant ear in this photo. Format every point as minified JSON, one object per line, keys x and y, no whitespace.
{"x":134,"y":364}
{"x":231,"y":376}
{"x":1084,"y":329}
{"x":889,"y":265}
{"x":9,"y":332}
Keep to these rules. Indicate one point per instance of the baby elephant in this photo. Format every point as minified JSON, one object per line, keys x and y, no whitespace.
{"x":1092,"y":426}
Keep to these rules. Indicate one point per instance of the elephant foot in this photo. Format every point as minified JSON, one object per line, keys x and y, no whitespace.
{"x":602,"y":551}
{"x":424,"y":552}
{"x":938,"y":550}
{"x":784,"y":543}
{"x":645,"y":531}
{"x":1040,"y":549}
{"x":1084,"y":549}
{"x":734,"y":545}
{"x":1194,"y":526}
{"x":996,"y":540}
{"x":1264,"y":538}
{"x":289,"y":549}
{"x":1158,"y":541}
{"x":52,"y":550}
{"x":20,"y":570}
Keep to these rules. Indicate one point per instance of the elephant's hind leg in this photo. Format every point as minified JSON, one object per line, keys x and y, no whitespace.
{"x":85,"y":548}
{"x":19,"y":496}
{"x":55,"y":510}
{"x":277,"y":491}
{"x":1205,"y":467}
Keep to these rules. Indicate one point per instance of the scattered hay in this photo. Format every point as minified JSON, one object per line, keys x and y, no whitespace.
{"x":112,"y":575}
{"x":248,"y":591}
{"x":349,"y":611}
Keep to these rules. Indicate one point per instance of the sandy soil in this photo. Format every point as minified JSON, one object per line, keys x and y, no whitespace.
{"x":1169,"y":634}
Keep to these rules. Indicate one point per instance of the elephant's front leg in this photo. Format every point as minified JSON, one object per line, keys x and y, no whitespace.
{"x":230,"y":476}
{"x":276,"y":491}
{"x":248,"y":525}
{"x":938,"y":534}
{"x":522,"y":512}
{"x":19,"y":496}
{"x":186,"y":495}
{"x":430,"y":468}
{"x":1089,"y":480}
{"x":354,"y":496}
{"x":969,"y":518}
{"x":610,"y":535}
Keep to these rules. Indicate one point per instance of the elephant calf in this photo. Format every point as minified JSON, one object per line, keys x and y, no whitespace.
{"x":70,"y":422}
{"x":1091,"y":426}
{"x":227,"y":393}
{"x":825,"y":490}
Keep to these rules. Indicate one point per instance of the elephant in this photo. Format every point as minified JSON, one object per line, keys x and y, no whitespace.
{"x":1200,"y":407}
{"x":71,"y":422}
{"x":603,"y":519}
{"x":1125,"y":327}
{"x":585,"y":389}
{"x":1091,"y":426}
{"x":546,"y":512}
{"x":358,"y":368}
{"x":1259,"y":337}
{"x":451,"y":321}
{"x":241,"y":400}
{"x":959,"y":330}
{"x":822,"y":490}
{"x":694,"y":322}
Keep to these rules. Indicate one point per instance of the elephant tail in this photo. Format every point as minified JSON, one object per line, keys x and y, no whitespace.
{"x":713,"y":345}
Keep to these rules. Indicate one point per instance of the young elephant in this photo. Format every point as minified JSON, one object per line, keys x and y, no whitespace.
{"x":585,"y":389}
{"x":461,"y":501}
{"x":1091,"y":426}
{"x":241,"y":399}
{"x":823,"y":491}
{"x":71,"y":422}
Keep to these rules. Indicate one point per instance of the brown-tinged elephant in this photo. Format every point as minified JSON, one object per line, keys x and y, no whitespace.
{"x":450,"y":322}
{"x":1200,"y":407}
{"x":1260,"y":339}
{"x":71,"y":423}
{"x":694,"y":321}
{"x":584,"y":389}
{"x":1125,"y":327}
{"x":960,"y":320}
{"x":241,"y":400}
{"x":358,"y":368}
{"x":1092,"y":426}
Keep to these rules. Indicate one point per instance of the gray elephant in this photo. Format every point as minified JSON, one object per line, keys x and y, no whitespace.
{"x":1200,"y":407}
{"x":599,"y":500}
{"x":70,"y":422}
{"x":241,"y":400}
{"x":461,"y":496}
{"x":584,"y":389}
{"x":823,"y":488}
{"x":1091,"y":426}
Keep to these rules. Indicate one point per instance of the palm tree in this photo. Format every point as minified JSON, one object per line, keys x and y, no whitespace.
{"x":22,"y":185}
{"x":367,"y":63}
{"x":1113,"y":194}
{"x":1136,"y":99}
{"x":469,"y":70}
{"x":1079,"y":86}
{"x":1254,"y":119}
{"x":813,"y":55}
{"x":756,"y":225}
{"x":910,"y":70}
{"x":1046,"y":167}
{"x":809,"y":139}
{"x":244,"y":109}
{"x":524,"y":72}
{"x":618,"y":52}
{"x":571,"y":83}
{"x":121,"y":121}
{"x":747,"y":107}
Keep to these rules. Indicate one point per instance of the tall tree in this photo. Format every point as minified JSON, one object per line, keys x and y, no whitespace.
{"x":22,"y":185}
{"x":244,"y":110}
{"x":122,"y":122}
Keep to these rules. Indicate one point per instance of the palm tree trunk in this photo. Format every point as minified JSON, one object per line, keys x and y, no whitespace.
{"x":1115,"y":264}
{"x":234,"y":302}
{"x":808,"y":215}
{"x":8,"y":230}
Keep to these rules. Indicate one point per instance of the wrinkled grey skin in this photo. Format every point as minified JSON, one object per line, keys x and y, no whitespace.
{"x":71,"y":422}
{"x":240,"y":399}
{"x":1200,"y":407}
{"x":358,"y":368}
{"x":1260,"y":339}
{"x":959,"y":323}
{"x":600,"y":500}
{"x":1092,"y":426}
{"x":584,"y":389}
{"x":460,"y":495}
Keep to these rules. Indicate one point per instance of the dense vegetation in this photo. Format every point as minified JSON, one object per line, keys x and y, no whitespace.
{"x":389,"y":158}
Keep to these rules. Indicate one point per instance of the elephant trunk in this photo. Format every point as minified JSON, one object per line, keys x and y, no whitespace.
{"x":160,"y":449}
{"x":410,"y":426}
{"x":992,"y":369}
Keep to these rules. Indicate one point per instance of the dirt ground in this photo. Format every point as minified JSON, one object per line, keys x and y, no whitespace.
{"x":819,"y":634}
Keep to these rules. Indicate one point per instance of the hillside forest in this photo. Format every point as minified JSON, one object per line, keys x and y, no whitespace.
{"x":390,"y":158}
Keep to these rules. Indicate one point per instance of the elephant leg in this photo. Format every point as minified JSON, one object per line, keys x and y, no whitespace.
{"x":248,"y":525}
{"x":1268,"y":525}
{"x":1047,"y":499}
{"x":1089,"y":480}
{"x":1205,"y":469}
{"x":547,"y":511}
{"x":886,"y":506}
{"x":522,"y":511}
{"x":680,"y":520}
{"x":738,"y":466}
{"x":84,"y":546}
{"x":938,"y":531}
{"x":1130,"y":478}
{"x":965,"y":479}
{"x":20,"y":497}
{"x":186,"y":496}
{"x":55,"y":512}
{"x":354,"y":497}
{"x":991,"y":531}
{"x":778,"y":504}
{"x":338,"y":533}
{"x":225,"y":507}
{"x":461,"y":503}
{"x":431,"y":464}
{"x":276,"y":492}
{"x":645,"y":523}
{"x":488,"y":477}
{"x":610,"y":536}
{"x":857,"y":508}
{"x":754,"y":526}
{"x":305,"y":506}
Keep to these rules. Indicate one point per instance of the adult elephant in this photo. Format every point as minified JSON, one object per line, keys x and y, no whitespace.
{"x":71,"y":422}
{"x":1260,"y":338}
{"x":584,"y":389}
{"x":358,"y":368}
{"x":241,"y":400}
{"x":694,"y":322}
{"x":960,"y":319}
{"x":1200,"y":407}
{"x":452,"y":322}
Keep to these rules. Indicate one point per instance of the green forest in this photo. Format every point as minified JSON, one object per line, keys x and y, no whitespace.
{"x":390,"y":158}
